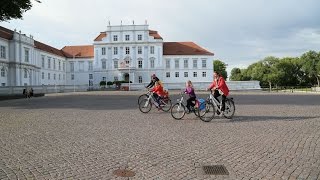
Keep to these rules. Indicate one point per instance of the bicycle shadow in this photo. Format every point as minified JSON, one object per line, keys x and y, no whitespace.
{"x":270,"y":118}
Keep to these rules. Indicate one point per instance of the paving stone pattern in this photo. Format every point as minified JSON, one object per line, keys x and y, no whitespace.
{"x":90,"y":135}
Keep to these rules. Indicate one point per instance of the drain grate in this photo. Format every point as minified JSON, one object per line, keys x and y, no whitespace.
{"x":124,"y":173}
{"x":215,"y":170}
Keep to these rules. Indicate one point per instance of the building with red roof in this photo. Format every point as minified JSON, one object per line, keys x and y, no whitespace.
{"x":120,"y":53}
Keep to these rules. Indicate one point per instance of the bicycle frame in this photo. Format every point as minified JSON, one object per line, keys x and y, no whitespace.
{"x":216,"y":103}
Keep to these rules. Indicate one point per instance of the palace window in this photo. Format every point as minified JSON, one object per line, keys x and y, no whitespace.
{"x":177,"y":74}
{"x":90,"y":76}
{"x":185,"y":74}
{"x":167,"y":74}
{"x":140,"y":79}
{"x":195,"y":63}
{"x":3,"y":72}
{"x":71,"y":66}
{"x":152,"y":63}
{"x":204,"y":74}
{"x":2,"y":52}
{"x":139,"y":50}
{"x":139,"y":64}
{"x":115,"y":50}
{"x":81,"y":65}
{"x":90,"y":68}
{"x":115,"y":64}
{"x":103,"y":51}
{"x":49,"y":62}
{"x":42,"y":61}
{"x":151,"y":49}
{"x":127,"y":37}
{"x":204,"y":63}
{"x":139,"y":37}
{"x":54,"y":63}
{"x":185,"y":63}
{"x":54,"y":76}
{"x":195,"y":74}
{"x":104,"y":65}
{"x":59,"y":65}
{"x":26,"y":55}
{"x":72,"y":76}
{"x":127,"y":50}
{"x":42,"y":75}
{"x":168,"y":63}
{"x":48,"y":76}
{"x":115,"y":38}
{"x":176,"y":63}
{"x":25,"y":73}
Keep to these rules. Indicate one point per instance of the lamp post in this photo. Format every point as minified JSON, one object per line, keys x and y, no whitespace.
{"x":74,"y":87}
{"x":129,"y":72}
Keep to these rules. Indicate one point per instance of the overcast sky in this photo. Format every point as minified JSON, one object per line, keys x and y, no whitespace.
{"x":239,"y":32}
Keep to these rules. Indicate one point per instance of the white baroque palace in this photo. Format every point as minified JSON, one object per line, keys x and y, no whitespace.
{"x":125,"y":52}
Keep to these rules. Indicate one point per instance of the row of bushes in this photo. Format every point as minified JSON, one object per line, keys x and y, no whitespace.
{"x":109,"y":83}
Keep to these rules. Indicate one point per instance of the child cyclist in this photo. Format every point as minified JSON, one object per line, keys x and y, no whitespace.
{"x":157,"y":93}
{"x":192,"y":96}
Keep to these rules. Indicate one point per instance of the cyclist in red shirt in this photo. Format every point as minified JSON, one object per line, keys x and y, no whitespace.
{"x":158,"y":92}
{"x":220,"y":88}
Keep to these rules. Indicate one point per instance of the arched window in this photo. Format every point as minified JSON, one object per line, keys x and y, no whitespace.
{"x":104,"y":63}
{"x":25,"y":73}
{"x":152,"y":63}
{"x":140,"y":62}
{"x":3,"y":72}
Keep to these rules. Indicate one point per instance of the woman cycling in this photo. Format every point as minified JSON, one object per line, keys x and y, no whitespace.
{"x":220,"y":88}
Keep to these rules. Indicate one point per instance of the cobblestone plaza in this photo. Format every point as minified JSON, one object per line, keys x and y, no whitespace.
{"x":90,"y":135}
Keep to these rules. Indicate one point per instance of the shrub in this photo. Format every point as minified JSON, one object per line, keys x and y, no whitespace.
{"x":109,"y":83}
{"x":103,"y":83}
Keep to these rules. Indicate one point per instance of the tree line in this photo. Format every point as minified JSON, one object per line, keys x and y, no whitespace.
{"x":287,"y":71}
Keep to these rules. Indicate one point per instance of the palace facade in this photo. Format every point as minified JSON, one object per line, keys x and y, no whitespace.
{"x":124,"y":52}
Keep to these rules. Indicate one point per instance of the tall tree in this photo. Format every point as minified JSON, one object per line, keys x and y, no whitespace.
{"x":310,"y":61}
{"x":236,"y":74}
{"x":13,"y":9}
{"x":220,"y":67}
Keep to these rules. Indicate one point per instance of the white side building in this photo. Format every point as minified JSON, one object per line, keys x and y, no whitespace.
{"x":25,"y":61}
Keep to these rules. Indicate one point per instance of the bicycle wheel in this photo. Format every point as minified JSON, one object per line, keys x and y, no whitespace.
{"x":230,"y":109}
{"x":165,"y":104}
{"x":145,"y":106}
{"x":206,"y":111}
{"x":178,"y":111}
{"x":143,"y":96}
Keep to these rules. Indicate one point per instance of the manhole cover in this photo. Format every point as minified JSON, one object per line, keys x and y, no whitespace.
{"x":215,"y":170}
{"x":124,"y":173}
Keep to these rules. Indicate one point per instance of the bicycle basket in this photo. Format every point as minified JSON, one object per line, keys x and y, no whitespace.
{"x":201,"y":104}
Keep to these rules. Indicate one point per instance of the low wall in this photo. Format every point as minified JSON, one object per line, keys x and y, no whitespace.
{"x":233,"y":85}
{"x":317,"y":89}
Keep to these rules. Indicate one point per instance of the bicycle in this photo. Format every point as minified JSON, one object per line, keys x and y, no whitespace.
{"x":213,"y":106}
{"x":178,"y":110}
{"x":146,"y":103}
{"x":143,"y":96}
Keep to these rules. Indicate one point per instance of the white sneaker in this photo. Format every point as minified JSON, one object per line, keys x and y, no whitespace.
{"x":221,"y":114}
